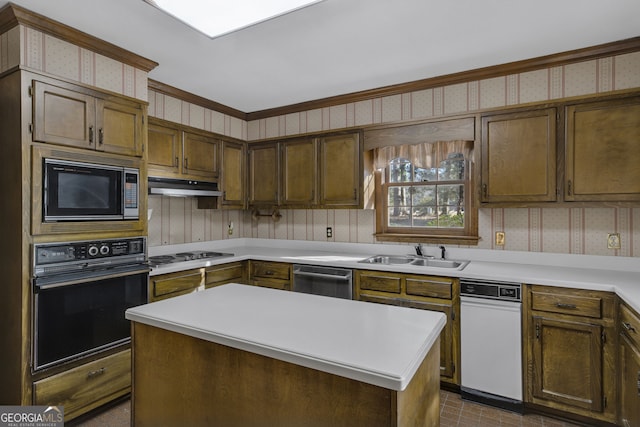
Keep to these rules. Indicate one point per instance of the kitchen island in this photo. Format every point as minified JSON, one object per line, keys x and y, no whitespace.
{"x":239,"y":355}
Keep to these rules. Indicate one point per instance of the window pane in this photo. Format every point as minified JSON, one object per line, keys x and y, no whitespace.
{"x":423,"y":175}
{"x":399,"y":196}
{"x":452,"y":169}
{"x":399,"y":217}
{"x":425,"y":217}
{"x":424,"y":195}
{"x":399,"y":171}
{"x":450,"y":217}
{"x":450,"y":194}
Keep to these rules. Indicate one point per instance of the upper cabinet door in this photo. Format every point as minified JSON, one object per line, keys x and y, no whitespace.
{"x":519,"y":157}
{"x":233,"y":162}
{"x":119,"y":128}
{"x":264,"y":169}
{"x":75,"y":116}
{"x":340,"y":170}
{"x":63,"y":116}
{"x":299,"y":171}
{"x":165,"y":150}
{"x":603,"y":151}
{"x":200,"y":156}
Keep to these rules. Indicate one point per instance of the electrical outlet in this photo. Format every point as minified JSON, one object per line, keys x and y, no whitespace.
{"x":613,"y":241}
{"x":329,"y":232}
{"x":499,"y":238}
{"x":230,"y":229}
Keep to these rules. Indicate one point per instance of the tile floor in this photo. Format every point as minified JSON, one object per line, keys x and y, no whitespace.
{"x":453,"y":412}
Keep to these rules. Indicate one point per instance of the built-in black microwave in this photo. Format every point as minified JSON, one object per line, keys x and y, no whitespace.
{"x":76,"y":191}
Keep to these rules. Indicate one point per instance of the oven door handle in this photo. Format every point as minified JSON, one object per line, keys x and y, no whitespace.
{"x":44,"y":283}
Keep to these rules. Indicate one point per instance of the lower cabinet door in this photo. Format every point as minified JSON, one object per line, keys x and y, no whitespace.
{"x":86,"y":387}
{"x":567,"y":366}
{"x":629,"y":383}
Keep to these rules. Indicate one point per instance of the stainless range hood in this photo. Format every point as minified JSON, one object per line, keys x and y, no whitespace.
{"x":182,"y":187}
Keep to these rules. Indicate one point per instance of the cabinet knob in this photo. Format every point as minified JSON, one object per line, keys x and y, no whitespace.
{"x":97,"y":372}
{"x":568,"y":306}
{"x":627,"y":326}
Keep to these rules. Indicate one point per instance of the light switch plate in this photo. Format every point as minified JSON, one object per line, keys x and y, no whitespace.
{"x":499,"y":238}
{"x":613,"y":241}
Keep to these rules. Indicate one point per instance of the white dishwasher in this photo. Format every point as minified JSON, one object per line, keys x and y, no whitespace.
{"x":491,"y":343}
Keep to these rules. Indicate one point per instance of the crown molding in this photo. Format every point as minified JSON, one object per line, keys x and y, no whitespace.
{"x":12,"y":15}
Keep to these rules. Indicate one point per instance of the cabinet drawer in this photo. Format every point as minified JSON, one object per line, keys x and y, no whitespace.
{"x":630,"y":324}
{"x":224,"y":274}
{"x":567,"y":304}
{"x":175,"y":283}
{"x":284,"y":285}
{"x":86,"y":387}
{"x":270,"y":270}
{"x":434,"y":287}
{"x":379,"y":282}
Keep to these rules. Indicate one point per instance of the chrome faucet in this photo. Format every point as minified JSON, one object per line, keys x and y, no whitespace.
{"x":442,"y":251}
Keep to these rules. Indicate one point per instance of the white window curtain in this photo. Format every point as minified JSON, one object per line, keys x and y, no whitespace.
{"x":423,"y":155}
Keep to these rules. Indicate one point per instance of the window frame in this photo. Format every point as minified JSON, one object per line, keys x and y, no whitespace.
{"x":463,"y":235}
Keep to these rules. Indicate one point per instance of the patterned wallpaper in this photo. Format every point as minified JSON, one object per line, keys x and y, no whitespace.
{"x":41,"y":52}
{"x":175,"y":110}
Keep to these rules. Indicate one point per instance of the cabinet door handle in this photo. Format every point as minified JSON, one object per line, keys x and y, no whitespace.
{"x":90,"y":134}
{"x":97,"y":372}
{"x":627,"y":326}
{"x":186,"y":163}
{"x":537,"y":330}
{"x":638,"y":383}
{"x":484,"y":190}
{"x":563,"y":305}
{"x":100,"y":136}
{"x":269,"y":273}
{"x":569,"y":189}
{"x":177,"y":162}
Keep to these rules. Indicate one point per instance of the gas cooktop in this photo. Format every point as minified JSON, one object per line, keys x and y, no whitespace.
{"x":156,"y":261}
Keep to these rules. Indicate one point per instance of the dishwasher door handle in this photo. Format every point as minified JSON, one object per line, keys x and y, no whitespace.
{"x":323,"y":275}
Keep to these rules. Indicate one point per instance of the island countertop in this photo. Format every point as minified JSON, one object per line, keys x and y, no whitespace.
{"x":373,"y":343}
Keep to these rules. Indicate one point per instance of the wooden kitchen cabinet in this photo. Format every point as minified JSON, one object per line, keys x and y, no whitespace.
{"x":423,"y":292}
{"x":277,"y":275}
{"x":165,"y":150}
{"x":87,"y":386}
{"x":298,"y":171}
{"x":603,"y":154}
{"x":518,"y":157}
{"x":570,"y":351}
{"x":233,"y":175}
{"x":72,"y":115}
{"x":183,"y":152}
{"x":264,"y":172}
{"x":200,"y":155}
{"x":170,"y":285}
{"x":629,"y":367}
{"x":340,"y":172}
{"x":235,"y":272}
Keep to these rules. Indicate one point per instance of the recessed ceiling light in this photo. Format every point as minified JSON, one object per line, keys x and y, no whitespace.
{"x":218,"y":17}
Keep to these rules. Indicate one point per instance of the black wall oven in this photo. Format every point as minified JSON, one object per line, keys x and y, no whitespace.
{"x":80,"y":293}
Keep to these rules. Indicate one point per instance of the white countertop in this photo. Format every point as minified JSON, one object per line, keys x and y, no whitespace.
{"x":373,"y":343}
{"x":612,"y":274}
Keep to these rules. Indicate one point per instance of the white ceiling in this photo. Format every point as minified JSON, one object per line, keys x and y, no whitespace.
{"x":342,"y":46}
